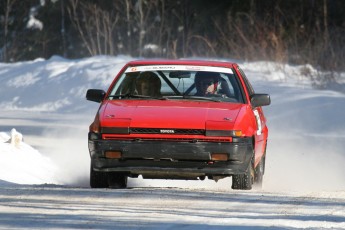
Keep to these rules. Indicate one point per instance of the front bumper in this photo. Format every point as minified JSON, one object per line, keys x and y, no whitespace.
{"x":171,"y":159}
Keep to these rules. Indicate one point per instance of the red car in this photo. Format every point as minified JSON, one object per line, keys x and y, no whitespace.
{"x":178,"y":119}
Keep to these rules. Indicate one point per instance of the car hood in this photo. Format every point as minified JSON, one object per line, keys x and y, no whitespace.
{"x":169,"y":114}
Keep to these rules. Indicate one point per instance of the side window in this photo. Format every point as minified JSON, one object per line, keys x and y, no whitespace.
{"x":246,"y":82}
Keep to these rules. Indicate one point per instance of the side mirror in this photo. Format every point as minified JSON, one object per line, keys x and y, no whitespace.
{"x":96,"y":95}
{"x":260,"y":100}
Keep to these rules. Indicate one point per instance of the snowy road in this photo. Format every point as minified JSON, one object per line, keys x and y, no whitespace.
{"x":54,"y":207}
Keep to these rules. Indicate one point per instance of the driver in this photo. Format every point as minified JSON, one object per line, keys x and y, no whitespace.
{"x":148,"y":84}
{"x":210,"y":83}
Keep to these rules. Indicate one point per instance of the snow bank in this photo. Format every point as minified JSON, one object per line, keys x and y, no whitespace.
{"x":55,"y":85}
{"x":22,"y":164}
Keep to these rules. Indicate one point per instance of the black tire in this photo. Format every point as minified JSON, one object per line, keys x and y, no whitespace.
{"x":117,"y":180}
{"x":244,"y":181}
{"x":98,"y":179}
{"x":259,"y":173}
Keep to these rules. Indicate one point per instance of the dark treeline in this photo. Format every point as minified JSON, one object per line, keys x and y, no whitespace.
{"x":293,"y":31}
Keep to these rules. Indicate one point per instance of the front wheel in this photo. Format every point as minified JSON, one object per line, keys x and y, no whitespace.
{"x":117,"y":180}
{"x":107,"y":179}
{"x":98,"y":179}
{"x":244,"y":181}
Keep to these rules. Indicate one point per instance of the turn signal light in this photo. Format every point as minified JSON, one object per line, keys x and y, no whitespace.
{"x":219,"y":156}
{"x":113,"y":154}
{"x":237,"y":133}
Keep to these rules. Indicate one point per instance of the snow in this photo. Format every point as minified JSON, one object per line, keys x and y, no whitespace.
{"x":34,"y":168}
{"x":34,"y":23}
{"x":44,"y":177}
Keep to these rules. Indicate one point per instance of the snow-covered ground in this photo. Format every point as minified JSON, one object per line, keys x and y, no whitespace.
{"x":44,"y":179}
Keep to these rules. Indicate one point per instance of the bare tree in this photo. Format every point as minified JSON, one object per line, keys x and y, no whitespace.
{"x":96,"y":26}
{"x":63,"y":28}
{"x":8,"y":9}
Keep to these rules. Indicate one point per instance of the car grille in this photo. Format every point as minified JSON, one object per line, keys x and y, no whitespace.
{"x":192,"y":140}
{"x":167,"y":131}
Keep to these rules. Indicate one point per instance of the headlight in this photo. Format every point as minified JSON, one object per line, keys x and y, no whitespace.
{"x":94,"y":127}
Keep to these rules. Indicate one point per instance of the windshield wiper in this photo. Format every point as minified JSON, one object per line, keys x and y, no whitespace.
{"x":215,"y":99}
{"x":120,"y":96}
{"x":129,"y":95}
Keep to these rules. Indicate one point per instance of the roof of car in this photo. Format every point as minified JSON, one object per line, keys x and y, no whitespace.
{"x":181,"y":62}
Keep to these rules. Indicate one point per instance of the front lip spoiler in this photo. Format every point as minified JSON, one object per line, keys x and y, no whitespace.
{"x":165,"y":168}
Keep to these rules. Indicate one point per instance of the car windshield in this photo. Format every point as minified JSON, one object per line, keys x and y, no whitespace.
{"x":178,"y":82}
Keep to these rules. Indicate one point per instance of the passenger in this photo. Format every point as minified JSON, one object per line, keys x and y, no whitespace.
{"x":210,"y":83}
{"x":149,"y":84}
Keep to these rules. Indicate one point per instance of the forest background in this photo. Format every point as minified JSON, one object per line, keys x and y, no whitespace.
{"x":294,"y":32}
